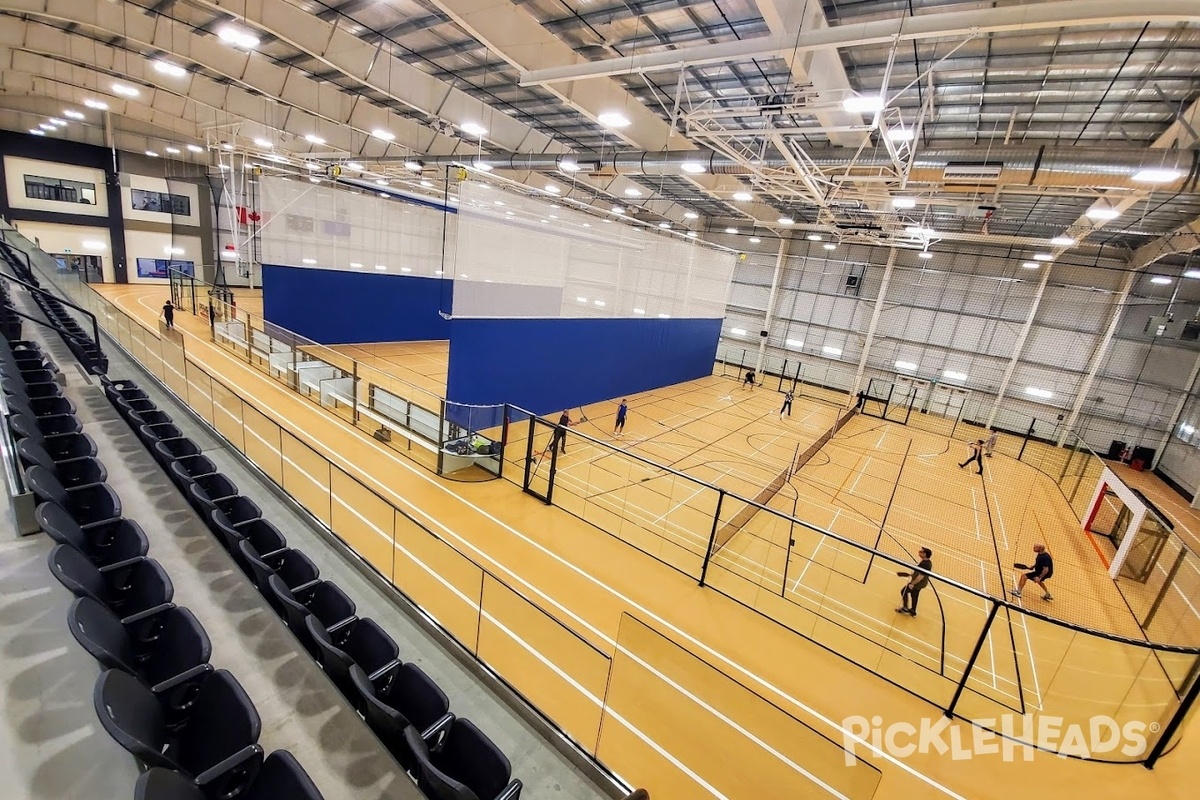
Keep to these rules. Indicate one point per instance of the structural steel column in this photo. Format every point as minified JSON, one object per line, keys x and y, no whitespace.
{"x":875,"y":315}
{"x":1098,"y":355}
{"x":1019,"y":347}
{"x":780,"y":260}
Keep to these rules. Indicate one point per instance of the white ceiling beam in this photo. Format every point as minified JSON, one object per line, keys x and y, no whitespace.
{"x":950,"y":24}
{"x":1185,"y":239}
{"x":823,"y":69}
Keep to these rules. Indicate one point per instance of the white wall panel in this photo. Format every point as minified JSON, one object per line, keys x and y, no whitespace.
{"x":92,"y":203}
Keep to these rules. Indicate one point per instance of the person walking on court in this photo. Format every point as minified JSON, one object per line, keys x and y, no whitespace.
{"x":749,"y":380}
{"x":559,"y":439}
{"x":976,"y":455}
{"x":787,"y":404}
{"x":1041,"y":571}
{"x":622,"y":411}
{"x":989,"y":446}
{"x":918,"y":580}
{"x":168,"y":315}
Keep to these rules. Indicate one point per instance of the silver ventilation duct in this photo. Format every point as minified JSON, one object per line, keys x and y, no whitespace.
{"x":1030,"y":166}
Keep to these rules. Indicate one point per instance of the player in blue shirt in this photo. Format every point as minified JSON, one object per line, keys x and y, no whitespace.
{"x":1041,"y":571}
{"x":622,"y":411}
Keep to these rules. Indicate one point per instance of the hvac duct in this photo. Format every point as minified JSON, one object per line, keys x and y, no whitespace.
{"x":1036,"y":166}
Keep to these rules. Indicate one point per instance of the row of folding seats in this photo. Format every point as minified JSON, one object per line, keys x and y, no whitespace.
{"x":158,"y":696}
{"x":85,"y":349}
{"x":450,"y":758}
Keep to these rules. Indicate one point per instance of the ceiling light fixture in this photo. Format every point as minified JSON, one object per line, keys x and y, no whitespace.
{"x":125,"y":90}
{"x":195,"y":148}
{"x":473,"y":129}
{"x":830,"y":246}
{"x":263,"y":143}
{"x":664,"y":225}
{"x":618,"y":210}
{"x":863,"y":104}
{"x":1030,"y":265}
{"x":925,"y":254}
{"x":312,"y":138}
{"x":743,"y":197}
{"x":755,"y":240}
{"x":354,"y":165}
{"x":904,"y":202}
{"x":1042,"y":257}
{"x":1062,"y":241}
{"x":99,"y":105}
{"x":72,"y":114}
{"x":167,"y":68}
{"x":385,"y":135}
{"x":173,"y":150}
{"x":1157,"y":175}
{"x":58,"y":122}
{"x":633,"y":192}
{"x":900,"y":135}
{"x":238,"y":37}
{"x":552,"y":189}
{"x":481,"y":166}
{"x":813,"y":237}
{"x":569,"y":166}
{"x":731,"y":230}
{"x":427,"y":184}
{"x":692,"y":234}
{"x":613,"y":119}
{"x":786,"y":221}
{"x":1161,"y":280}
{"x":152,"y":154}
{"x":1192,"y":273}
{"x":37,"y":131}
{"x":690,"y":215}
{"x":1103,"y":213}
{"x":692,"y":167}
{"x":413,"y":165}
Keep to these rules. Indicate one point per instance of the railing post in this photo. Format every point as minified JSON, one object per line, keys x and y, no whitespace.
{"x":712,"y":537}
{"x":1025,"y":441}
{"x":974,"y":656}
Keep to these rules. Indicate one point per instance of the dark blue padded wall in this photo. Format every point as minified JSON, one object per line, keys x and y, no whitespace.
{"x":341,"y":307}
{"x":547,"y":365}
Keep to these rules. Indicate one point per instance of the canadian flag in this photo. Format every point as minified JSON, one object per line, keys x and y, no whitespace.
{"x":246,"y":216}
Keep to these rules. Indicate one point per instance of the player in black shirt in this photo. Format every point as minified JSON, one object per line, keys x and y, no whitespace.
{"x":1041,"y":571}
{"x":918,"y":581}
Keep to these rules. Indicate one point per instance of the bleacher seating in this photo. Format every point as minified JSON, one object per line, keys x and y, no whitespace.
{"x":193,"y":726}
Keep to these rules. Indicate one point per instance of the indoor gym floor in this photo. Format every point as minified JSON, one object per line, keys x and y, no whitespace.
{"x":591,"y":581}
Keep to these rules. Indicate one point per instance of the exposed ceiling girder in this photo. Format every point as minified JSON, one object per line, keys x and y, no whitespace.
{"x":1185,"y":239}
{"x":1025,"y":17}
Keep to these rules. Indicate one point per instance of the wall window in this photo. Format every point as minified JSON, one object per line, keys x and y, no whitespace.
{"x":162,"y":267}
{"x":177,"y":205}
{"x":59,"y":190}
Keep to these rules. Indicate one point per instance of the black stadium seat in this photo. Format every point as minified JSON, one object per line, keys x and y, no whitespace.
{"x":467,"y":766}
{"x":280,"y":778}
{"x":130,"y":589}
{"x":110,"y":543}
{"x":362,"y":642}
{"x":410,"y":699}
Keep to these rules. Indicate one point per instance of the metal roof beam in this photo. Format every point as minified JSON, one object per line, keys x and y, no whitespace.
{"x":957,"y":24}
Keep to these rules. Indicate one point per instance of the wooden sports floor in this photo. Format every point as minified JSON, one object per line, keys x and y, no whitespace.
{"x":681,"y":689}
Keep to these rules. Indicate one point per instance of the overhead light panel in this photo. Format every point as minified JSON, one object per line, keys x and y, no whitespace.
{"x":618,"y":210}
{"x":664,"y":225}
{"x":1062,"y":241}
{"x":385,"y":135}
{"x":1103,"y":213}
{"x":473,"y":129}
{"x":354,"y":165}
{"x":99,"y":105}
{"x":904,"y":202}
{"x":797,"y":343}
{"x":552,"y":189}
{"x":863,"y":104}
{"x":195,"y":148}
{"x":1192,"y":273}
{"x":831,"y":351}
{"x":743,"y":197}
{"x":568,"y":166}
{"x":37,"y":131}
{"x":167,"y":68}
{"x":755,"y":240}
{"x":633,"y":192}
{"x":1157,"y":175}
{"x":152,"y":154}
{"x":265,"y":143}
{"x":613,"y":119}
{"x":830,"y":246}
{"x":738,"y":331}
{"x":900,"y":135}
{"x":173,"y":150}
{"x":238,"y":37}
{"x":72,"y":114}
{"x":413,"y":165}
{"x":908,"y":366}
{"x":731,"y":230}
{"x":690,"y":215}
{"x":925,"y":254}
{"x":381,"y":182}
{"x":1042,"y":394}
{"x":692,"y":234}
{"x":920,"y":231}
{"x":482,"y":166}
{"x":692,"y":167}
{"x":954,"y":376}
{"x":59,"y":122}
{"x":1042,"y":257}
{"x":125,"y":90}
{"x":786,"y":221}
{"x":1030,"y":265}
{"x":1161,"y":280}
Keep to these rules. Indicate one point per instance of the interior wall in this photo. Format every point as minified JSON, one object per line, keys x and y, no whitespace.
{"x":963,"y":312}
{"x":160,"y":244}
{"x":56,"y":237}
{"x":15,"y":170}
{"x":339,"y":307}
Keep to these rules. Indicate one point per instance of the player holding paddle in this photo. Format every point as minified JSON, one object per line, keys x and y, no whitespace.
{"x":918,"y":580}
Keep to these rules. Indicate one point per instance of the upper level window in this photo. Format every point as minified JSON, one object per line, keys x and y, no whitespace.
{"x":59,"y":190}
{"x":178,"y":205}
